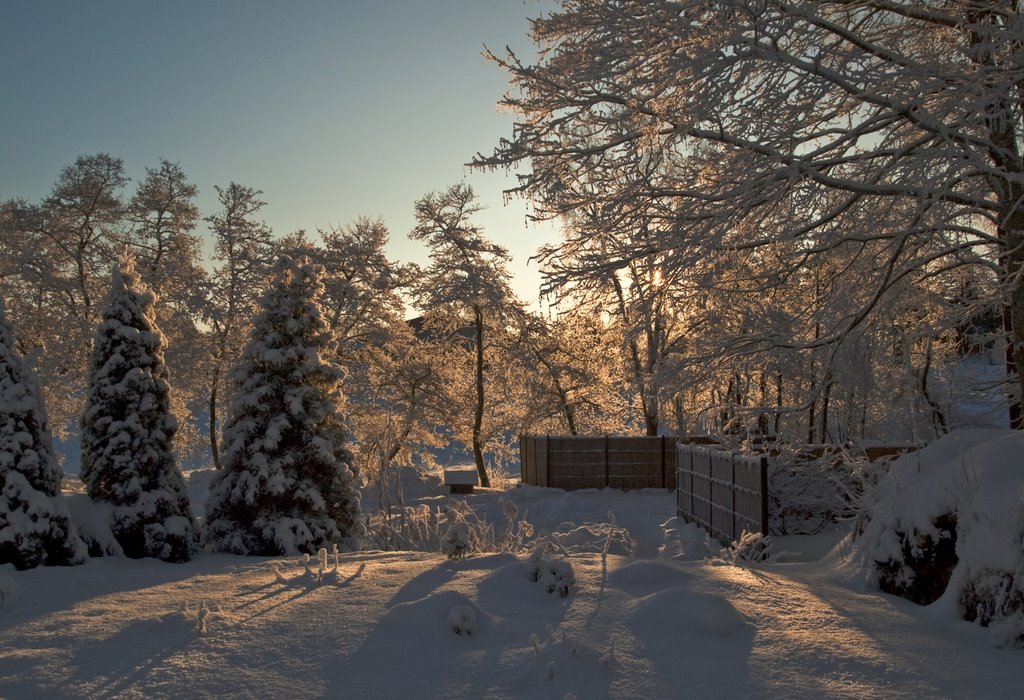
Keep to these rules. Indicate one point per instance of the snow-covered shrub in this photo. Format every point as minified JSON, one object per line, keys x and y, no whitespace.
{"x":518,"y":530}
{"x":413,"y":528}
{"x":453,"y":529}
{"x":806,"y":493}
{"x":462,"y":620}
{"x":950,"y":515}
{"x":553,"y":575}
{"x":996,"y":598}
{"x":199,"y":617}
{"x":464,"y":533}
{"x":92,"y":520}
{"x":921,"y":561}
{"x":457,"y":541}
{"x":604,"y":538}
{"x":751,"y":547}
{"x":35,"y":525}
{"x":287,"y":483}
{"x":128,"y":429}
{"x":557,"y":576}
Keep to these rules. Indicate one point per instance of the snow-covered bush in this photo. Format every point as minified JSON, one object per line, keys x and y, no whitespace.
{"x":751,"y":547}
{"x":453,"y":529}
{"x":413,"y":528}
{"x":807,"y":493}
{"x":553,"y":575}
{"x":947,"y":521}
{"x":462,"y":620}
{"x":464,"y":533}
{"x":457,"y":541}
{"x":92,"y":520}
{"x":287,"y":483}
{"x":128,"y":429}
{"x":996,"y":598}
{"x":518,"y":529}
{"x":35,"y":525}
{"x":604,"y":538}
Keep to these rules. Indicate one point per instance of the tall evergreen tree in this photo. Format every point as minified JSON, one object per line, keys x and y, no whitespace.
{"x":35,"y":527}
{"x":128,"y":429}
{"x":288,"y":484}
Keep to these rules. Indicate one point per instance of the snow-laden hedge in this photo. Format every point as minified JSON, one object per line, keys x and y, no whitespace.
{"x":946,"y":524}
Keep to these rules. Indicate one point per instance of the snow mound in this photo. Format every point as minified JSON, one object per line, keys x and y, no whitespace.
{"x":435,"y":612}
{"x":641,"y":577}
{"x":10,"y":593}
{"x":681,"y":611}
{"x":197,"y":485}
{"x":561,"y":666}
{"x":687,"y":541}
{"x":509,"y":588}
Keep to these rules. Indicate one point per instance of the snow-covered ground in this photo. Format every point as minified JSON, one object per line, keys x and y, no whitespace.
{"x":670,"y":620}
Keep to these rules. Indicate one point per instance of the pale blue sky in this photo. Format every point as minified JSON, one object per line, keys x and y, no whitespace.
{"x":334,"y":108}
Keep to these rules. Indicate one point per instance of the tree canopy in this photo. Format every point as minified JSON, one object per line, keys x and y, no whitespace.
{"x":877,"y":139}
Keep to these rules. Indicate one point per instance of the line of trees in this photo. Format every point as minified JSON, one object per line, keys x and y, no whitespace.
{"x":287,"y":486}
{"x":811,"y":269}
{"x":476,"y":368}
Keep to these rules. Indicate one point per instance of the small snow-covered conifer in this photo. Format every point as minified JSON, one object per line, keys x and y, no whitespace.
{"x":35,"y":527}
{"x":287,"y":483}
{"x":127,"y":428}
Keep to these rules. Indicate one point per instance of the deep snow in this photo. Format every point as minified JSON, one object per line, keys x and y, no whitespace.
{"x":670,"y":620}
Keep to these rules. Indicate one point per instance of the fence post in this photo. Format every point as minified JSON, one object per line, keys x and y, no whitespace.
{"x":764,"y":495}
{"x":733,"y":489}
{"x":522,"y":458}
{"x":547,"y":460}
{"x":607,"y":466}
{"x":679,"y":483}
{"x":693,"y":503}
{"x":663,"y":477}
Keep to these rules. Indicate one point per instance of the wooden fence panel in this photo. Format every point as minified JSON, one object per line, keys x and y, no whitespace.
{"x":579,"y":462}
{"x":722,"y":492}
{"x":700,"y":495}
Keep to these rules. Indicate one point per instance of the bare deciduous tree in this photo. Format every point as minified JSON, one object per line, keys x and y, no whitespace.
{"x":785,"y":133}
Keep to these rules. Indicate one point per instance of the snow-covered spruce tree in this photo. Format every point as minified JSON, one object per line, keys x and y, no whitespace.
{"x":127,"y":429}
{"x":35,"y":527}
{"x":287,"y":483}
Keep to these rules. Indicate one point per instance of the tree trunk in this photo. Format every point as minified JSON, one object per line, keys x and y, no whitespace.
{"x":478,"y":416}
{"x":810,"y":413}
{"x":567,"y":409}
{"x":1005,"y":153}
{"x":825,"y":396}
{"x":1015,"y":336}
{"x":778,"y":402}
{"x":214,"y":450}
